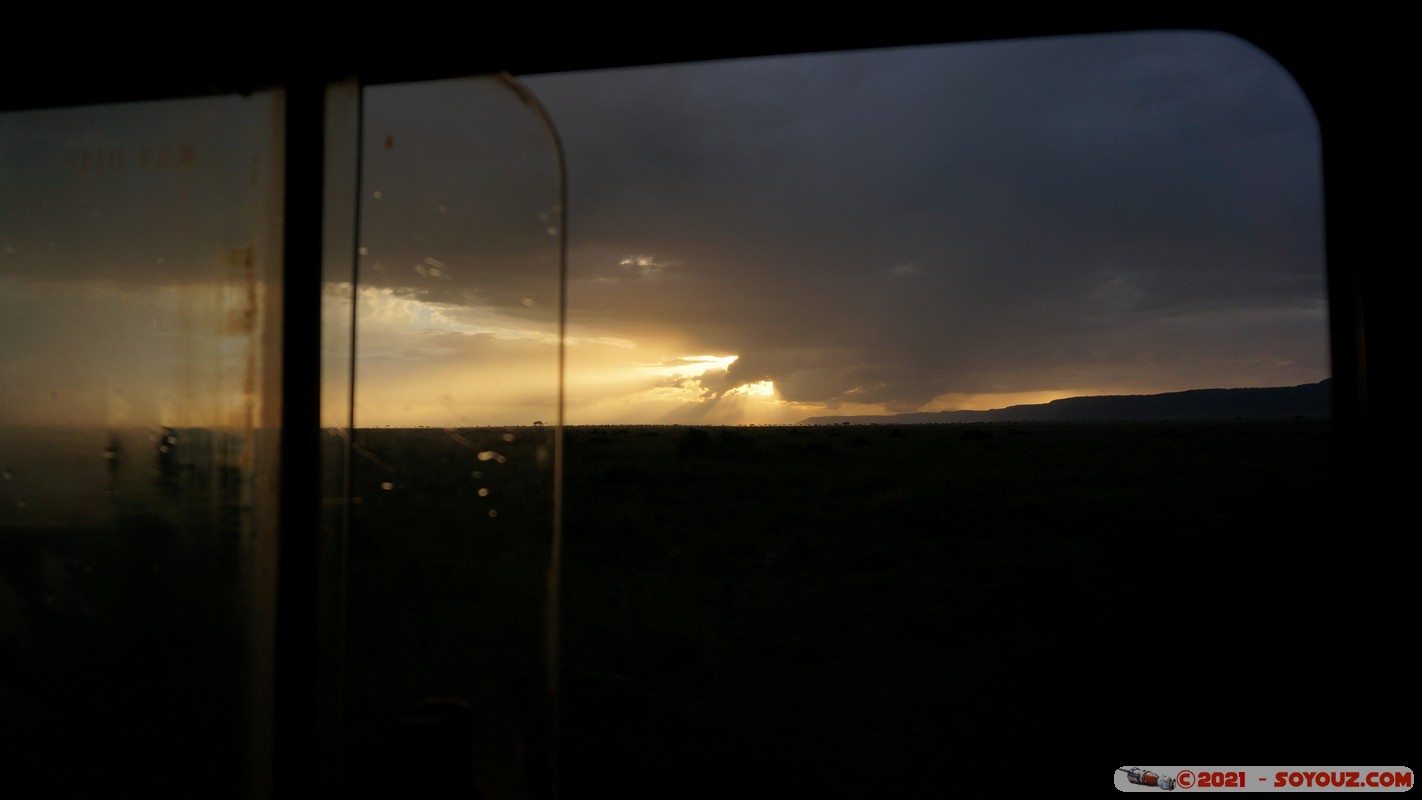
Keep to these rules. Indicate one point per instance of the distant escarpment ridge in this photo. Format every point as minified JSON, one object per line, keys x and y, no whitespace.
{"x":1308,"y":400}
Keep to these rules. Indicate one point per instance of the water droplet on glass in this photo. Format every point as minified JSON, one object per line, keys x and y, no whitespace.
{"x":493,"y":512}
{"x":434,"y":268}
{"x":488,"y":455}
{"x":7,"y":474}
{"x":483,"y":492}
{"x":508,"y":437}
{"x":476,"y":474}
{"x":387,"y":485}
{"x":377,"y":194}
{"x":528,"y":302}
{"x":365,"y":251}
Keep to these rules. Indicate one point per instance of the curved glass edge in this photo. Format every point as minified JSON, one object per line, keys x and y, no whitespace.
{"x":457,"y":301}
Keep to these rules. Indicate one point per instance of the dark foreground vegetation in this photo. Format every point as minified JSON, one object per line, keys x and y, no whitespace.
{"x":879,"y":610}
{"x":126,"y":657}
{"x":842,"y":611}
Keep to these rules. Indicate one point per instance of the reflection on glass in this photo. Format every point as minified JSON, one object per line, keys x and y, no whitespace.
{"x":138,"y":297}
{"x":456,"y":378}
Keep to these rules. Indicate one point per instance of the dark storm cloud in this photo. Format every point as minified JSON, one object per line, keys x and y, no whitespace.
{"x":898,"y":224}
{"x":459,"y":196}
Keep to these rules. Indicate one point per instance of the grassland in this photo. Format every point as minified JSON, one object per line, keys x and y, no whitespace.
{"x":839,"y":610}
{"x":804,"y":611}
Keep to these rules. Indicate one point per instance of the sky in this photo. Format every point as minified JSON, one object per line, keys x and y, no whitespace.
{"x":966,"y":226}
{"x":958,"y":227}
{"x":754,"y":241}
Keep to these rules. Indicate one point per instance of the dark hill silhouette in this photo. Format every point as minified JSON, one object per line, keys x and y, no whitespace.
{"x":1306,"y":400}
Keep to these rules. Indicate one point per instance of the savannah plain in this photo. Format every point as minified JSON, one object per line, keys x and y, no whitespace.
{"x":833,"y":610}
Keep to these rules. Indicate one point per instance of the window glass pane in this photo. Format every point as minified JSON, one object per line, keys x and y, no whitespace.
{"x":139,"y":292}
{"x":925,"y":229}
{"x":456,"y":376}
{"x":891,"y":609}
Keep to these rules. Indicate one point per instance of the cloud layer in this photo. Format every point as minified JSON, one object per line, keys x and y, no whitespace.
{"x":890,"y":226}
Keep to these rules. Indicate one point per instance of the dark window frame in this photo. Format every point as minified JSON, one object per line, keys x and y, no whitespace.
{"x":1342,"y":64}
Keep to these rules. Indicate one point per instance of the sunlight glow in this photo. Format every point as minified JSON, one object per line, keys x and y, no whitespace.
{"x":427,"y":363}
{"x":983,"y":401}
{"x":757,"y":389}
{"x":686,"y":365}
